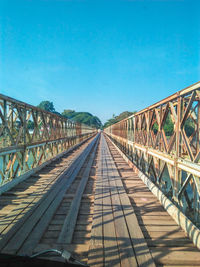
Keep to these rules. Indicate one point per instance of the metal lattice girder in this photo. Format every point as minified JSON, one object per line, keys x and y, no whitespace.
{"x":30,"y":136}
{"x":171,"y":155}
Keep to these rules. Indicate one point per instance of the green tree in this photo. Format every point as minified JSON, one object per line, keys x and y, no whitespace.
{"x":68,"y":113}
{"x":168,"y":126}
{"x":30,"y":125}
{"x":189,"y":127}
{"x":82,"y":117}
{"x":155,"y":128}
{"x":124,"y":115}
{"x":118,"y":118}
{"x":47,"y":105}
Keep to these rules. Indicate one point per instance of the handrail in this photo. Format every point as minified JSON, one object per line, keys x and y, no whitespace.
{"x":30,"y":136}
{"x":163,"y":141}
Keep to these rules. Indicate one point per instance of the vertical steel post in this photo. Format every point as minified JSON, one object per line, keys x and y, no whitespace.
{"x":178,"y":140}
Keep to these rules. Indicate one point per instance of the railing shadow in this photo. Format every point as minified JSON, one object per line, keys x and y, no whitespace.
{"x":125,"y":251}
{"x":29,"y":194}
{"x":174,"y":232}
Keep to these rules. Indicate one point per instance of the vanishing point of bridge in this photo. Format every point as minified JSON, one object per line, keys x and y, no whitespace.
{"x":128,"y":196}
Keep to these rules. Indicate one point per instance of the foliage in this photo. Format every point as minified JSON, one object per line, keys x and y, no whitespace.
{"x":82,"y":117}
{"x":118,"y":118}
{"x":189,"y":127}
{"x":155,"y":128}
{"x":30,"y":125}
{"x":47,"y":105}
{"x":88,"y":119}
{"x":168,"y":126}
{"x":124,"y":115}
{"x":68,"y":113}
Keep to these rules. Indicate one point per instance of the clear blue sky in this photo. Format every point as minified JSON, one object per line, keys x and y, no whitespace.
{"x":103,"y":57}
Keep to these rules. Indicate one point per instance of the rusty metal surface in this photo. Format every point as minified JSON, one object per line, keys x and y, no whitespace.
{"x":22,"y":147}
{"x":171,"y":159}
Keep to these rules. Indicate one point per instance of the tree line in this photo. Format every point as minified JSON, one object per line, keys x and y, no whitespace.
{"x":91,"y":120}
{"x":118,"y":118}
{"x":81,"y":117}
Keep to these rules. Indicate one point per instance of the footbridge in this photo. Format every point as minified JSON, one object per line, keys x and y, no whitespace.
{"x":126,"y":196}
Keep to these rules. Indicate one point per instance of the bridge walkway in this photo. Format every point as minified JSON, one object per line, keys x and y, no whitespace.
{"x":91,"y":203}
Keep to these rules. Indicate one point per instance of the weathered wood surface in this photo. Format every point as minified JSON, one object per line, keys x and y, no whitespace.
{"x":24,"y":226}
{"x":167,"y":242}
{"x":123,"y":241}
{"x":95,"y":256}
{"x":68,"y":228}
{"x":96,"y":207}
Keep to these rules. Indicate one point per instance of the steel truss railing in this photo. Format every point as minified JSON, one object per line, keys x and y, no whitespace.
{"x":163,"y":142}
{"x":30,"y":136}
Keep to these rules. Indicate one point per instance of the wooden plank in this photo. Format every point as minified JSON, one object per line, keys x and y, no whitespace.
{"x":191,"y":230}
{"x":96,"y":256}
{"x":164,"y":235}
{"x":45,"y":212}
{"x":44,"y":209}
{"x":82,"y":234}
{"x":66,"y":233}
{"x":161,"y":228}
{"x":166,"y":240}
{"x":127,"y":255}
{"x":111,"y":252}
{"x":142,"y":252}
{"x":175,"y":242}
{"x":156,"y":221}
{"x":183,"y":257}
{"x":21,"y":213}
{"x":73,"y":248}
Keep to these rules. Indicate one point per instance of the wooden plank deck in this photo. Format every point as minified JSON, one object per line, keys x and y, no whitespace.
{"x":122,"y":246}
{"x":92,"y":204}
{"x":167,"y":242}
